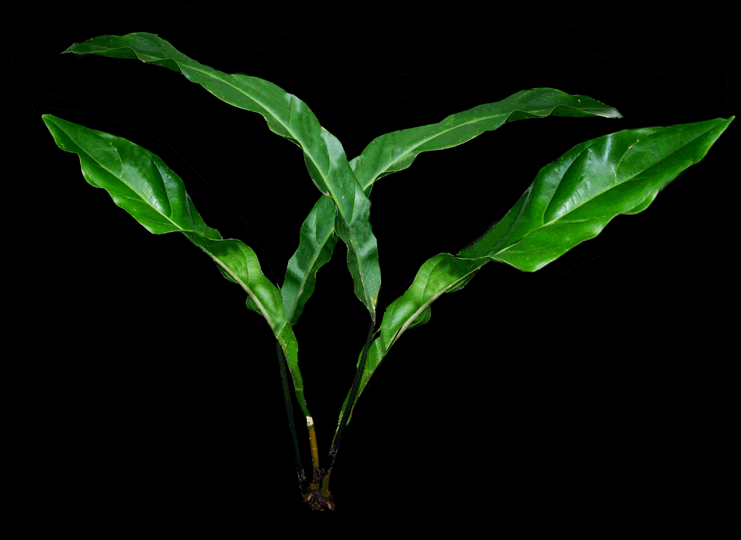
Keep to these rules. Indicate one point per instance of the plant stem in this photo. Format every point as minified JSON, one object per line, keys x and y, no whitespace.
{"x":314,"y":453}
{"x":289,"y":411}
{"x":314,"y":498}
{"x":353,"y":393}
{"x":325,"y":480}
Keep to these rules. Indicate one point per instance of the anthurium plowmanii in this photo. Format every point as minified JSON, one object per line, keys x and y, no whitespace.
{"x":569,"y":201}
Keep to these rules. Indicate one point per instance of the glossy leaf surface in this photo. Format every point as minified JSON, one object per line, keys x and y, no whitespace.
{"x":438,"y":275}
{"x":397,"y":150}
{"x":289,"y":117}
{"x":143,"y":185}
{"x":570,"y":201}
{"x":573,"y":198}
{"x":317,"y":240}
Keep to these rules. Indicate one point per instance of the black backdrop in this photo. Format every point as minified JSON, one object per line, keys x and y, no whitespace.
{"x":582,"y":381}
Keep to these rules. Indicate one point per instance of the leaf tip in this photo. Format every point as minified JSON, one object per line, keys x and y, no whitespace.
{"x":725,"y":123}
{"x":612,"y":112}
{"x":71,"y":49}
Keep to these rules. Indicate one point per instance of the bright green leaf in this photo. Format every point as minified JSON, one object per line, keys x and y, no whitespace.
{"x":316,"y":243}
{"x":573,"y":198}
{"x":570,"y":201}
{"x":289,"y":117}
{"x":397,"y":150}
{"x":143,"y":185}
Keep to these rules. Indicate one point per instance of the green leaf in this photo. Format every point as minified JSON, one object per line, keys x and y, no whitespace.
{"x":440,"y":274}
{"x":573,"y":198}
{"x":397,"y":150}
{"x":570,"y":201}
{"x":316,"y":243}
{"x":287,"y":116}
{"x":143,"y":185}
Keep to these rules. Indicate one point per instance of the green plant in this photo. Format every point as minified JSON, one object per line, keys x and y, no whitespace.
{"x":570,"y":201}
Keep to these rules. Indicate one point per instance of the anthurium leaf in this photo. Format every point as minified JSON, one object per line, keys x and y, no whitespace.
{"x":287,"y":116}
{"x":317,"y":240}
{"x":143,"y":185}
{"x":570,"y":201}
{"x":441,"y":274}
{"x":241,"y":263}
{"x":573,"y":198}
{"x":395,"y":151}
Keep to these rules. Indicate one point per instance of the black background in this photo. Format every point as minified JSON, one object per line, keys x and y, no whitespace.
{"x":593,"y":379}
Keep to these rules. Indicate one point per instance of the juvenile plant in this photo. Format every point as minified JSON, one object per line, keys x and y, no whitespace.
{"x":570,"y":201}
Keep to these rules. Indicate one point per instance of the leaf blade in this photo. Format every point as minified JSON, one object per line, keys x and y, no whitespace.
{"x":144,"y":186}
{"x":287,"y":116}
{"x":573,"y":198}
{"x":317,"y":240}
{"x":649,"y":158}
{"x":395,"y":151}
{"x":443,"y":273}
{"x":408,"y":143}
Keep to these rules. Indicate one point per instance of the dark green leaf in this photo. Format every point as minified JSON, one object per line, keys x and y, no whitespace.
{"x":397,"y":150}
{"x":143,"y":185}
{"x":571,"y":200}
{"x":316,"y":243}
{"x":289,"y":117}
{"x":440,"y":274}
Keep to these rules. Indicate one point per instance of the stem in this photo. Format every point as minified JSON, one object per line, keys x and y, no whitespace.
{"x":314,"y":453}
{"x":314,"y":498}
{"x":289,"y":411}
{"x":320,"y":499}
{"x":325,"y":480}
{"x":350,"y":402}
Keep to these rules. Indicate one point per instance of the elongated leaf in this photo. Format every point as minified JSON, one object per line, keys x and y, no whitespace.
{"x":316,"y":243}
{"x":287,"y":116}
{"x":143,"y":185}
{"x":397,"y":150}
{"x":440,"y":274}
{"x":570,"y":201}
{"x":573,"y":198}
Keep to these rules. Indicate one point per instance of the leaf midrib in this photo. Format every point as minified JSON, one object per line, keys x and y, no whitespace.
{"x":314,"y":258}
{"x":180,"y":229}
{"x":121,"y":179}
{"x":599,"y":194}
{"x":427,"y":303}
{"x":506,"y":115}
{"x":190,"y":63}
{"x":353,"y":238}
{"x":272,"y":111}
{"x":249,"y":292}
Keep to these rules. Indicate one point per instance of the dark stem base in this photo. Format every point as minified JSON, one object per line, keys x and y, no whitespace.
{"x":317,"y":501}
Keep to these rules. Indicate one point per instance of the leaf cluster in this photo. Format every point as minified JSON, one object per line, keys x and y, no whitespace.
{"x":570,"y":200}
